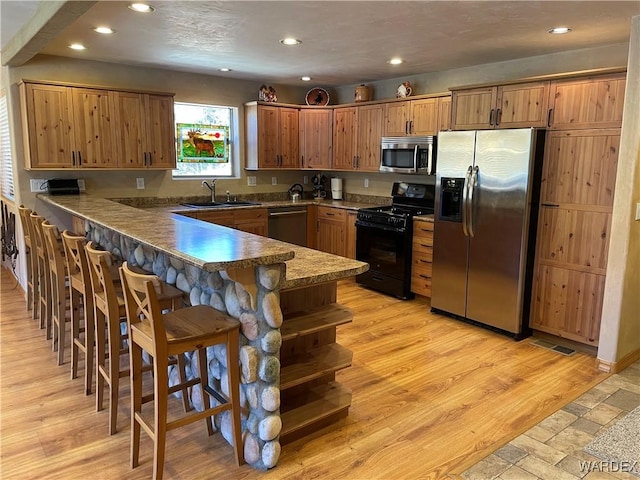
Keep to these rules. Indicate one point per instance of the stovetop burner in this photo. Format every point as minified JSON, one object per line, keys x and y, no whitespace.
{"x":409,"y":200}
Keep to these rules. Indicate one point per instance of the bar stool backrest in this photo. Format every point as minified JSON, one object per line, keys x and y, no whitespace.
{"x":99,"y":263}
{"x":54,"y":254}
{"x":141,"y":300}
{"x":27,"y":226}
{"x":76,"y":258}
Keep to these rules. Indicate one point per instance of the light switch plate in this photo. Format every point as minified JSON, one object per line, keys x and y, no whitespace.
{"x":366,"y":183}
{"x":81,"y":185}
{"x":251,"y":181}
{"x":305,"y":179}
{"x":637,"y":211}
{"x":274,"y":180}
{"x":140,"y":183}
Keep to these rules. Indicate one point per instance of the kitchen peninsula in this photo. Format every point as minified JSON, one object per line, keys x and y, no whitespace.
{"x":283,"y":295}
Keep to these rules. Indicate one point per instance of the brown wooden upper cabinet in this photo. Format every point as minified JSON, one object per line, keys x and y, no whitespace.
{"x":272,"y":136}
{"x":595,"y":102}
{"x":316,"y":138}
{"x":66,"y":127}
{"x":356,"y":137}
{"x":145,"y":130}
{"x":507,"y":106}
{"x":69,"y":127}
{"x":444,"y":113}
{"x":414,"y":117}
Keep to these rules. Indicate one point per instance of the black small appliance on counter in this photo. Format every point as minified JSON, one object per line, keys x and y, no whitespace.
{"x":63,"y":186}
{"x":384,"y":238}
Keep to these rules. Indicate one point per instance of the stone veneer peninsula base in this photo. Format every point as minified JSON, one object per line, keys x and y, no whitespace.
{"x":283,"y":296}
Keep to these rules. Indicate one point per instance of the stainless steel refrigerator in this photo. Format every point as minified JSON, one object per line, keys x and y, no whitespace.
{"x":487,"y":193}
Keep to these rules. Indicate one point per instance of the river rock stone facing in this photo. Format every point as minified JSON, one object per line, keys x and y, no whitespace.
{"x":260,"y":339}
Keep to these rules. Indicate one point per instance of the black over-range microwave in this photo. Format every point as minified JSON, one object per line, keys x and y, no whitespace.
{"x":412,"y":155}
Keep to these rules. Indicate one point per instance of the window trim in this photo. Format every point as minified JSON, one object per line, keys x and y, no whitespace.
{"x":6,"y":154}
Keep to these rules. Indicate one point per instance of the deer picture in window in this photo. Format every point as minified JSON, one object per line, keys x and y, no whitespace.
{"x":201,"y":144}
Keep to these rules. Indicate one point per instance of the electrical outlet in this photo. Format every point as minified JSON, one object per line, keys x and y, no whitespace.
{"x":38,"y":185}
{"x":81,"y":185}
{"x":251,"y":181}
{"x":274,"y":180}
{"x":366,"y":183}
{"x":305,"y":179}
{"x":140,"y":183}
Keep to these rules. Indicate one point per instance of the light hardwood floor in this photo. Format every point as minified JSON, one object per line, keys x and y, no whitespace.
{"x":431,"y":397}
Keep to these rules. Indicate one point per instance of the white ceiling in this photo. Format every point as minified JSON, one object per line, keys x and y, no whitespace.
{"x":344,"y":42}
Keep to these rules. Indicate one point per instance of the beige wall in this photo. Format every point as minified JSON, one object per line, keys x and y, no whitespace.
{"x":620,"y":328}
{"x":438,"y":82}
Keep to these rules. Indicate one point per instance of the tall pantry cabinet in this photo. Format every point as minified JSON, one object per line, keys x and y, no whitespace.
{"x":576,"y":204}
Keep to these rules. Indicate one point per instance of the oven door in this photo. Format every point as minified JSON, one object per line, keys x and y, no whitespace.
{"x":388,"y":253}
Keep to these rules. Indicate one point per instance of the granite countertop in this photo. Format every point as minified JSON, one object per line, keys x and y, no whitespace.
{"x":424,"y":218}
{"x":179,"y":208}
{"x":185,"y":238}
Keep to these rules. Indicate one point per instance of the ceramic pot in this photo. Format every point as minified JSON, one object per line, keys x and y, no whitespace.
{"x":363,"y":93}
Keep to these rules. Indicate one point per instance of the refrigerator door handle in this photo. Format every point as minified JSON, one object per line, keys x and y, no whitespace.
{"x":465,"y":201}
{"x":430,"y":160}
{"x":472,"y":188}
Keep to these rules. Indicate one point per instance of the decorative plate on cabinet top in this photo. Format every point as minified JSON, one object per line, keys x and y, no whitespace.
{"x":404,"y":90}
{"x":317,"y":97}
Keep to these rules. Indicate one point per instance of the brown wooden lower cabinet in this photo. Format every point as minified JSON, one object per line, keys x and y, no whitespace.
{"x":310,"y":356}
{"x":251,"y":220}
{"x":422,"y":258}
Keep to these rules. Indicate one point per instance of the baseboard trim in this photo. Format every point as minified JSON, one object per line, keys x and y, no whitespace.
{"x":619,"y":365}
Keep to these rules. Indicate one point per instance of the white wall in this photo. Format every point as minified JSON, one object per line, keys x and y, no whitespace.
{"x":620,"y":327}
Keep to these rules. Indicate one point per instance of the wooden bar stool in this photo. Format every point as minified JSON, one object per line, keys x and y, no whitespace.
{"x":44,"y":274}
{"x":31,"y":259}
{"x":109,"y":313}
{"x":59,"y":292}
{"x":161,"y":335}
{"x":80,"y":288}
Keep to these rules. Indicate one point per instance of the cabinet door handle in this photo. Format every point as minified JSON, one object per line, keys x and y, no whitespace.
{"x":150,"y":159}
{"x":549,"y":117}
{"x":358,"y":162}
{"x":353,"y":162}
{"x":425,"y":245}
{"x":424,"y":276}
{"x":79,"y":158}
{"x":491,"y":117}
{"x":424,"y":261}
{"x":549,"y":204}
{"x":329,"y":214}
{"x":498,"y":116}
{"x":406,"y":127}
{"x":302,"y":157}
{"x":410,"y":126}
{"x":73,"y":158}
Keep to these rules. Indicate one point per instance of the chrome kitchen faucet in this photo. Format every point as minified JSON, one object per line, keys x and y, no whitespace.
{"x":211,"y":187}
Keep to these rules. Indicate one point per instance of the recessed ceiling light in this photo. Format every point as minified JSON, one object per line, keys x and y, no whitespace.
{"x":290,"y":41}
{"x":104,"y":30}
{"x":559,"y":30}
{"x":224,"y":69}
{"x":305,"y":79}
{"x":141,"y":7}
{"x":77,"y":46}
{"x":396,"y":61}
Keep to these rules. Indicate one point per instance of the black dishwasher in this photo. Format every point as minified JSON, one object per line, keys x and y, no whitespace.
{"x":289,"y":224}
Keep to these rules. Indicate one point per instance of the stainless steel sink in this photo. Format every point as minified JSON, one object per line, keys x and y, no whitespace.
{"x":218,"y":204}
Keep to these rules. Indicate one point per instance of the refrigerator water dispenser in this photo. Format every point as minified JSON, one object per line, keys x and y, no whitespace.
{"x":451,"y":199}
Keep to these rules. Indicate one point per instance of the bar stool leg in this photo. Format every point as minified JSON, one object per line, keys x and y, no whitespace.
{"x":75,"y":330}
{"x":161,"y":393}
{"x":233,"y":377}
{"x":136,"y":400}
{"x":203,"y":373}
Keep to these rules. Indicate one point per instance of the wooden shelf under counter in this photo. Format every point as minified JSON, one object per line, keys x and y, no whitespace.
{"x":311,"y":398}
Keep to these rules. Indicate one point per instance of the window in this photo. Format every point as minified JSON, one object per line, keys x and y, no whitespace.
{"x":5,"y":150}
{"x":205,"y":137}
